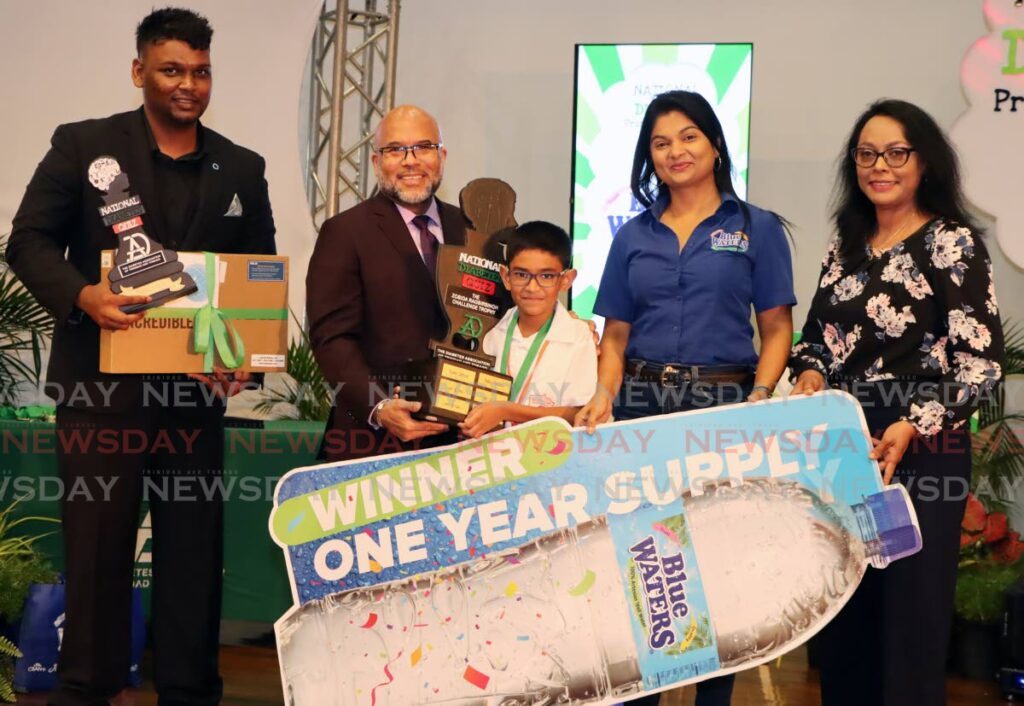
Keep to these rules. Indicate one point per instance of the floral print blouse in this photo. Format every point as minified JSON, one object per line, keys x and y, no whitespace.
{"x":924,"y":310}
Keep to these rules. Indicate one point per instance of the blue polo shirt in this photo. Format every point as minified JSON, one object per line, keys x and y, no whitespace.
{"x":693,"y":306}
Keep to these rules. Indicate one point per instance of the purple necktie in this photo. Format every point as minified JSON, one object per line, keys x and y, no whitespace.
{"x":428,"y":243}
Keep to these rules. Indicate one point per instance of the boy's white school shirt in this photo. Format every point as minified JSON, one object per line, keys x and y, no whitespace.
{"x":564,"y":372}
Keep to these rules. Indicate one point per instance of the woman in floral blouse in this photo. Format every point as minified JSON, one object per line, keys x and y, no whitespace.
{"x":904,"y":318}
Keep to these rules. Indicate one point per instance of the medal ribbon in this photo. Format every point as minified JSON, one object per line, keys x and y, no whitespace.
{"x":528,"y":361}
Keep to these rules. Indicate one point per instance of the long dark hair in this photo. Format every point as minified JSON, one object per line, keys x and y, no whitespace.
{"x":938,"y":194}
{"x":643,"y":180}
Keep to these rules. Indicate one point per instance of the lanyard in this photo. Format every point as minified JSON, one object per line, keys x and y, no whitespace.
{"x":531,"y":354}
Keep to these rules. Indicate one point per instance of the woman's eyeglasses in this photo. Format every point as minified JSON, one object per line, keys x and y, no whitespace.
{"x":894,"y":156}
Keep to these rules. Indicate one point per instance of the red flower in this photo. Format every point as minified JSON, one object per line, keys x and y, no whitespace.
{"x":967,"y":539}
{"x":974,"y":515}
{"x":995,"y":528}
{"x":1010,"y":550}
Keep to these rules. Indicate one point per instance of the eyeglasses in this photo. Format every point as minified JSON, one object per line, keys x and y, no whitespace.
{"x":396,"y":153}
{"x":522,"y":278}
{"x":894,"y":156}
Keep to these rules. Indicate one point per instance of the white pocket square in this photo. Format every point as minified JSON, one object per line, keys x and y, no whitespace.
{"x":235,"y":209}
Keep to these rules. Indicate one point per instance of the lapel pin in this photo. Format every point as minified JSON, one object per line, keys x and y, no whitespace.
{"x":216,"y":167}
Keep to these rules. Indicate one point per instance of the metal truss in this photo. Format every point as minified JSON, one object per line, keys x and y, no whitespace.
{"x":352,"y":85}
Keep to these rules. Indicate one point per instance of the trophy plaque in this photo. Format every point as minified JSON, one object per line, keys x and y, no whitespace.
{"x":469,"y":283}
{"x":142,"y":267}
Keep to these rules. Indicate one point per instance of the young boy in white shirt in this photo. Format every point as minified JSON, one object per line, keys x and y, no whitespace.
{"x":549,"y":354}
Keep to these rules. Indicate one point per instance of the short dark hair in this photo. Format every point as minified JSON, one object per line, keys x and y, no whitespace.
{"x":938,"y":194}
{"x":173,"y":23}
{"x":540,"y":235}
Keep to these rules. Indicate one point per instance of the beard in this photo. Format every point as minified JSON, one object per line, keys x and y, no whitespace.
{"x":393,"y":189}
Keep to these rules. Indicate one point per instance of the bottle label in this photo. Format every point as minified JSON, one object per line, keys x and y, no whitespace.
{"x":668,"y":611}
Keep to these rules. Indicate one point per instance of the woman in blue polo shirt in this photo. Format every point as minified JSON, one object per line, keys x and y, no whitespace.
{"x":679,"y":284}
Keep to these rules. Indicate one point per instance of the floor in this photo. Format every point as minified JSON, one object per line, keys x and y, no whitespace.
{"x":251,"y":678}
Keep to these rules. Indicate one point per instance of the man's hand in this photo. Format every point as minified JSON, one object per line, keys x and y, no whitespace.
{"x":484,"y":418}
{"x":396,"y":416}
{"x":102,"y":306}
{"x":595,"y":412}
{"x":809,"y":382}
{"x":889,"y":450}
{"x":224,"y":385}
{"x":593,"y":330}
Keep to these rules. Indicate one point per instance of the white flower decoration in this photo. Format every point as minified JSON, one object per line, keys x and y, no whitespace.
{"x":893,"y":323}
{"x":874,"y":372}
{"x":962,"y":326}
{"x":935,"y":353}
{"x":976,"y":371}
{"x":902,"y":270}
{"x":927,"y":418}
{"x":835,"y":271}
{"x":840,"y":345}
{"x":849,"y":287}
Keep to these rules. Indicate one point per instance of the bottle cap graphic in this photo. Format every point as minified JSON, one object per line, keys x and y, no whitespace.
{"x":893,"y":514}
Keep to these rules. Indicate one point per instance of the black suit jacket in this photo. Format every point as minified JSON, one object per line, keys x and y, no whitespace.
{"x":373,"y":307}
{"x":55,"y":245}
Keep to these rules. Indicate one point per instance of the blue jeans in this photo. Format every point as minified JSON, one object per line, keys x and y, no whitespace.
{"x":643,"y":399}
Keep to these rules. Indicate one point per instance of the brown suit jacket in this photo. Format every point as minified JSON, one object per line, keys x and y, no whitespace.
{"x":373,"y":308}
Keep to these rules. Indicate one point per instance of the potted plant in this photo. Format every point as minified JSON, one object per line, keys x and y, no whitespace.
{"x":21,"y":565}
{"x":990,"y":562}
{"x":989,"y":552}
{"x":25,"y":326}
{"x":303,"y":393}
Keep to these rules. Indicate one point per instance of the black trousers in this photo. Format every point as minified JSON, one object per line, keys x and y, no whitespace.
{"x":888,"y":645}
{"x":642,"y":399}
{"x":174,"y":457}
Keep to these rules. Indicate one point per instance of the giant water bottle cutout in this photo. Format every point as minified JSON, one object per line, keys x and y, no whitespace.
{"x":760,"y":568}
{"x":141,"y":267}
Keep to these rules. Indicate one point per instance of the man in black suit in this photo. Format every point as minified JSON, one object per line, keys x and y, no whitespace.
{"x":370,"y":294}
{"x":200,"y":192}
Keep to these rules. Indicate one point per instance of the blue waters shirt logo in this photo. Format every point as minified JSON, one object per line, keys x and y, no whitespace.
{"x":730,"y":242}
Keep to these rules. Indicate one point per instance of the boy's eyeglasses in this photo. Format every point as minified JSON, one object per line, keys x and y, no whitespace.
{"x":522,"y":278}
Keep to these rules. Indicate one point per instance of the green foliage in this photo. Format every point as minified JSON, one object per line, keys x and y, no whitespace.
{"x":980,"y":589}
{"x":20,"y":566}
{"x":8,"y":653}
{"x":306,"y":389}
{"x":997,"y":451}
{"x":6,"y":678}
{"x":25,"y":326}
{"x":20,"y":563}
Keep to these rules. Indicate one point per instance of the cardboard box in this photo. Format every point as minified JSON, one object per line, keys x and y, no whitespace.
{"x":250,"y":307}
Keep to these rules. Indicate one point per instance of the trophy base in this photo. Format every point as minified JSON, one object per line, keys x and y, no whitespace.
{"x":453,"y":388}
{"x":177,"y":288}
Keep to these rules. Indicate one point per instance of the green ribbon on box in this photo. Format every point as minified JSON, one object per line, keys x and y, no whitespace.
{"x":213,"y":333}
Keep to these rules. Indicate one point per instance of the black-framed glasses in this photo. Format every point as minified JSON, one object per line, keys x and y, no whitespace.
{"x":522,"y":278}
{"x":396,"y":153}
{"x":894,"y":156}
